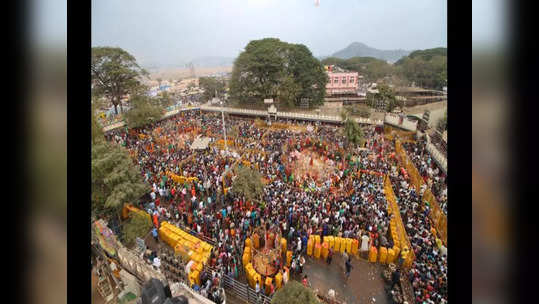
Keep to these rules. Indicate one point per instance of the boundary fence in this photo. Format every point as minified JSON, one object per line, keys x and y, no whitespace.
{"x":244,"y":291}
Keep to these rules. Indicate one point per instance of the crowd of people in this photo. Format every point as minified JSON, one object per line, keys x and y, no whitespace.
{"x":428,"y":274}
{"x":432,"y":175}
{"x":340,"y":203}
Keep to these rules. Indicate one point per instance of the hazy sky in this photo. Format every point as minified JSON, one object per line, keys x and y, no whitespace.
{"x":176,"y":31}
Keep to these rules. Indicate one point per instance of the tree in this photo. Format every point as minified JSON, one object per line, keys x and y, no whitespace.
{"x":270,"y":68}
{"x":115,"y":179}
{"x":212,"y":86}
{"x":384,"y":96}
{"x":144,"y":110}
{"x":351,"y":129}
{"x":309,"y":74}
{"x":248,"y":183}
{"x":289,"y":91}
{"x":371,"y":100}
{"x":427,"y":68}
{"x":387,"y":95}
{"x":97,"y":129}
{"x":115,"y":73}
{"x":294,"y":293}
{"x":137,"y":226}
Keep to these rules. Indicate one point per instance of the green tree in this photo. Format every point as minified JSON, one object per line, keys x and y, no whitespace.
{"x":289,"y":91}
{"x":387,"y":95}
{"x":307,"y":72}
{"x":143,"y":110}
{"x":136,"y":226}
{"x":294,"y":293}
{"x":114,"y":73}
{"x":248,"y":183}
{"x":97,"y":129}
{"x":427,"y":68}
{"x":212,"y":86}
{"x":115,"y":179}
{"x":351,"y":129}
{"x":266,"y":65}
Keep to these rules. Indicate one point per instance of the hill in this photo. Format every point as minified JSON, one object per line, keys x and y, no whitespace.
{"x":358,"y":49}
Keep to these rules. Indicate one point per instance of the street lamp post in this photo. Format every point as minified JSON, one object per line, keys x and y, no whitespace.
{"x":224,"y":128}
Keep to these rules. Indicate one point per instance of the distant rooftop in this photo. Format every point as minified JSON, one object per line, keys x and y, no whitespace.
{"x":336,"y":69}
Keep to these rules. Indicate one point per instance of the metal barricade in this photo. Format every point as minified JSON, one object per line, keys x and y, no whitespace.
{"x":244,"y":291}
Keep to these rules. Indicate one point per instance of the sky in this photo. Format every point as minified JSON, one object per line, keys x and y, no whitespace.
{"x":177,"y":31}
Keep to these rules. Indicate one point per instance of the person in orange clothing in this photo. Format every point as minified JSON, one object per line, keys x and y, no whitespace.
{"x":155,"y":221}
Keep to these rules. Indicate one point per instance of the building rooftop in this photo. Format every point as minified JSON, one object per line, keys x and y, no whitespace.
{"x":337,"y":69}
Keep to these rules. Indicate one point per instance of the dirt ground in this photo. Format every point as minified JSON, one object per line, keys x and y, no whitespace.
{"x":365,"y":284}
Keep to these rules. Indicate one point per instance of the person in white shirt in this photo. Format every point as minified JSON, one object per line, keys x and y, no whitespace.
{"x":285,"y":277}
{"x":157,"y":262}
{"x":364,"y":244}
{"x":152,"y":194}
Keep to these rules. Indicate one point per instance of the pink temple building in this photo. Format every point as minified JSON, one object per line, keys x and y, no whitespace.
{"x":341,"y":82}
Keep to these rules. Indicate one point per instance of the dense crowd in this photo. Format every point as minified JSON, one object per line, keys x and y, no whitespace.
{"x":343,"y":204}
{"x":428,"y":274}
{"x":432,"y":175}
